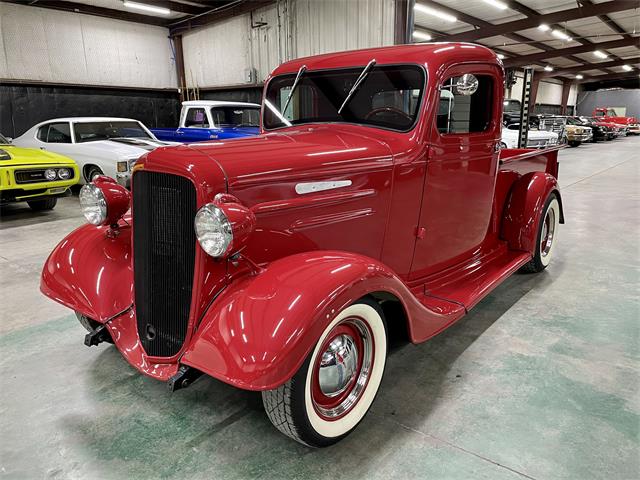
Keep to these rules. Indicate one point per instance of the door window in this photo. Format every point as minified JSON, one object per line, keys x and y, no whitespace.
{"x":55,"y":133}
{"x":196,"y":117}
{"x":465,"y":113}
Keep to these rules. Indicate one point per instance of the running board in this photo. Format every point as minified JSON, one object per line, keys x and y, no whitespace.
{"x":467,"y":286}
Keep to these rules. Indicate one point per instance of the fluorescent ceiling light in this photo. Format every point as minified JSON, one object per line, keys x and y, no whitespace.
{"x":600,"y":54}
{"x":497,"y":4}
{"x":543,"y":27}
{"x":501,"y":56}
{"x":579,"y":77}
{"x":425,"y":37}
{"x":436,"y":13}
{"x":146,"y":8}
{"x":627,"y":68}
{"x":561,"y":35}
{"x":548,"y":68}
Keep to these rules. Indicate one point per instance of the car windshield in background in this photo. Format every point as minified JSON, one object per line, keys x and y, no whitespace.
{"x":387,"y":97}
{"x":4,"y":140}
{"x":511,"y":106}
{"x":235,"y":116}
{"x":95,"y":131}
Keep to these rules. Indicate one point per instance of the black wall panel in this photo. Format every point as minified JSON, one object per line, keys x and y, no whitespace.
{"x":22,"y":106}
{"x":251,"y":95}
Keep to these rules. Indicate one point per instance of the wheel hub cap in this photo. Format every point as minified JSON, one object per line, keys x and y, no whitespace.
{"x":548,"y":231}
{"x":338,"y":366}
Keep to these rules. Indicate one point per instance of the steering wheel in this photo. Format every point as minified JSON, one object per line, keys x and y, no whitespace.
{"x":392,"y":110}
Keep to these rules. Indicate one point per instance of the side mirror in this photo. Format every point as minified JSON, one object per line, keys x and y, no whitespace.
{"x":467,"y":84}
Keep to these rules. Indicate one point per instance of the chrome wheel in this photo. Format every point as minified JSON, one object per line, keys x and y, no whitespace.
{"x":548,"y":231}
{"x":342,"y":371}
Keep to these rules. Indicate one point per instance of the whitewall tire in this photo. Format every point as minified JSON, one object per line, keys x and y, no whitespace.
{"x":547,"y":236}
{"x":336,"y":385}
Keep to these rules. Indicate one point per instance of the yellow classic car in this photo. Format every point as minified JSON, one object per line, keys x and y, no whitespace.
{"x":34,"y":176}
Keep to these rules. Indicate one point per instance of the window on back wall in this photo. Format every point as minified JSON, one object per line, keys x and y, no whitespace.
{"x":465,"y":113}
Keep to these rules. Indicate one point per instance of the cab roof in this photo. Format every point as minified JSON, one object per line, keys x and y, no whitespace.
{"x":218,"y":103}
{"x":420,"y":53}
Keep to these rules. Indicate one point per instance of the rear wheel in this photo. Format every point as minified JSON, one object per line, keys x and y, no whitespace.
{"x":574,"y":143}
{"x":46,"y":204}
{"x":334,"y":388}
{"x":547,"y":233}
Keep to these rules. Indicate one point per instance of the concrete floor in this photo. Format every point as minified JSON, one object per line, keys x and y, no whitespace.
{"x":540,"y":381}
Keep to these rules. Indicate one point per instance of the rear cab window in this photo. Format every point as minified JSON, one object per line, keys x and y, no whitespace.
{"x":55,"y":133}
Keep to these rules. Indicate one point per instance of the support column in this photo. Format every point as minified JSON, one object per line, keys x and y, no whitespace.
{"x":180,"y":73}
{"x":403,"y":23}
{"x":566,"y":88}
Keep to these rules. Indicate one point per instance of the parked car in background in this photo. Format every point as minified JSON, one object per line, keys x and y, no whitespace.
{"x":282,"y":262}
{"x":33,"y":176}
{"x":511,"y":111}
{"x":599,"y":132}
{"x":611,"y":130}
{"x":535,"y":138}
{"x":202,"y":120}
{"x":99,"y":145}
{"x":568,"y":132}
{"x":608,"y":114}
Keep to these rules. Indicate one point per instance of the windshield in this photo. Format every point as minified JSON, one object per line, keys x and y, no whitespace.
{"x":388,"y":97}
{"x":94,"y":131}
{"x":236,"y":116}
{"x":3,"y":140}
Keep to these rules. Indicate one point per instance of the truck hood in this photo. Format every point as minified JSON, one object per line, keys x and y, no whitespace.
{"x":296,"y":151}
{"x":31,"y":156}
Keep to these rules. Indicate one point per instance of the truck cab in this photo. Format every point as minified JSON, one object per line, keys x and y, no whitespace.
{"x":202,"y":120}
{"x":376,"y":198}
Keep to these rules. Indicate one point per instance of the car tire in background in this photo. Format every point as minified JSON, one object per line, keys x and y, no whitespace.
{"x":41,"y":205}
{"x":92,"y":171}
{"x":574,"y":143}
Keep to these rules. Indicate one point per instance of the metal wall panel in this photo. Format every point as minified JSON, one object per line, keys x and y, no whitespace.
{"x":62,"y":47}
{"x":245,"y":49}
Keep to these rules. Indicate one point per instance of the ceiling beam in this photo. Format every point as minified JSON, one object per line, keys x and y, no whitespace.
{"x":217,"y":14}
{"x":590,"y":66}
{"x":96,"y":11}
{"x":491,"y":30}
{"x":563,"y":52}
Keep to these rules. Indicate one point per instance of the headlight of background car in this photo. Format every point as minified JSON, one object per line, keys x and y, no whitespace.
{"x":93,"y":204}
{"x":123,"y":166}
{"x":64,"y":173}
{"x":50,"y":174}
{"x":213,"y":230}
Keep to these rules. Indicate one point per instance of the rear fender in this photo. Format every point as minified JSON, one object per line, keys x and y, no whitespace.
{"x":524,"y":208}
{"x":90,"y":272}
{"x":261,"y":328}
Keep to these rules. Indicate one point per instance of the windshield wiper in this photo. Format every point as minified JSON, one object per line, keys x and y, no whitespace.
{"x":303,"y":68}
{"x":360,"y":79}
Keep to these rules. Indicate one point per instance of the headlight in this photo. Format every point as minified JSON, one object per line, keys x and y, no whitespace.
{"x":213,"y":230}
{"x":123,"y":167}
{"x":93,"y":204}
{"x":50,"y":174}
{"x":64,"y":174}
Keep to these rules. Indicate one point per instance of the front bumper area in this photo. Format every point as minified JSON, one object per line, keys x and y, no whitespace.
{"x":14,"y":195}
{"x":580,"y":137}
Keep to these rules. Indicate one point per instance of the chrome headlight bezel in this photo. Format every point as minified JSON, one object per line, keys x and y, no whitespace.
{"x":93,"y":204}
{"x":64,"y":173}
{"x":213,"y":230}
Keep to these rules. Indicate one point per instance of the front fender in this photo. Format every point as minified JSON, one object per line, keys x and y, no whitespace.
{"x":91,"y":273}
{"x":524,"y":209}
{"x":259,"y":331}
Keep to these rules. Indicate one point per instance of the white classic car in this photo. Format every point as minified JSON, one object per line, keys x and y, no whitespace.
{"x":99,"y":145}
{"x":535,"y":138}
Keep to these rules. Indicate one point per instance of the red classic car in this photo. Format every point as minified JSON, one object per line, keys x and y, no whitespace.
{"x":375,"y":197}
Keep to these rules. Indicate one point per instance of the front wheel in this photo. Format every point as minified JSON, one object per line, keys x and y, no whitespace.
{"x":547,"y":234}
{"x":574,"y":143}
{"x":335,"y":386}
{"x":41,"y":205}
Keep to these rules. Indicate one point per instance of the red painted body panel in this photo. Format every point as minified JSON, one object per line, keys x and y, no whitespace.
{"x":422,"y":220}
{"x":615,"y":119}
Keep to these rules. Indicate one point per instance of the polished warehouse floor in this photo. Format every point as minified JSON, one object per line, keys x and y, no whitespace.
{"x":540,"y":381}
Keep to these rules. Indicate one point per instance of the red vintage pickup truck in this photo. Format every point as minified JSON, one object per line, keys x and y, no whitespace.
{"x":376,"y":199}
{"x":609,"y":115}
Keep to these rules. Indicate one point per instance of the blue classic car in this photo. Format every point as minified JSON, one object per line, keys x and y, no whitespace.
{"x":202,"y":120}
